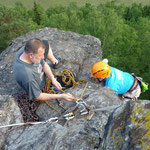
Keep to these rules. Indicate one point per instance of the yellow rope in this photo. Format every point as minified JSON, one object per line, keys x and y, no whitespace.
{"x":75,"y":99}
{"x":53,"y":108}
{"x":79,"y":82}
{"x":83,"y":91}
{"x":66,"y":75}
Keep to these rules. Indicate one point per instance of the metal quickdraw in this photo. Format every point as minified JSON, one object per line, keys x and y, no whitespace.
{"x":81,"y":108}
{"x":85,"y":107}
{"x":55,"y":119}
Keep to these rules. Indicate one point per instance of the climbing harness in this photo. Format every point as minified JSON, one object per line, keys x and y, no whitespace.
{"x":143,"y":85}
{"x":138,"y":81}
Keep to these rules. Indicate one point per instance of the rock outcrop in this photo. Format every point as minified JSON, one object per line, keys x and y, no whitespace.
{"x":79,"y":52}
{"x":128,"y":127}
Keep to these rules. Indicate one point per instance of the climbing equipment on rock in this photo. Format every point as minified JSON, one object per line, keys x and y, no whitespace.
{"x":127,"y":98}
{"x":107,"y":108}
{"x":55,"y":119}
{"x":80,"y":108}
{"x":66,"y":116}
{"x":66,"y":79}
{"x":53,"y":108}
{"x":27,"y":107}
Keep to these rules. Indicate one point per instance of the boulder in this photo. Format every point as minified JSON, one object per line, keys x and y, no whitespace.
{"x":125,"y":127}
{"x":128,"y":127}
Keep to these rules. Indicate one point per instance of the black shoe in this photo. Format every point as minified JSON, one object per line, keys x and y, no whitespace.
{"x":56,"y":66}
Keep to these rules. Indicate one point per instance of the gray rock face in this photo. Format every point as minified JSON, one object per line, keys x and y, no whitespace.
{"x":79,"y":52}
{"x":128,"y":127}
{"x":9,"y":113}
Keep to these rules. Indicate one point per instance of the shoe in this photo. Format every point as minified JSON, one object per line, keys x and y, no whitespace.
{"x":56,"y":66}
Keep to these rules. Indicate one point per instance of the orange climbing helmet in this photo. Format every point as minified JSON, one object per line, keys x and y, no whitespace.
{"x":100,"y":70}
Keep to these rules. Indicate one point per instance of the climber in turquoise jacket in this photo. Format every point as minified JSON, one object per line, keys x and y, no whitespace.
{"x":121,"y":82}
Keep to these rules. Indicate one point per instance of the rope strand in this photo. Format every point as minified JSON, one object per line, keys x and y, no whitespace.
{"x":53,"y":108}
{"x":67,"y":78}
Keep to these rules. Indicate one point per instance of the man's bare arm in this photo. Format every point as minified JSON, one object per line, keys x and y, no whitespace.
{"x":50,"y":75}
{"x":46,"y":96}
{"x":48,"y":71}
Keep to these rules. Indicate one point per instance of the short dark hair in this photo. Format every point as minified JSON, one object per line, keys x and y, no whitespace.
{"x":33,"y":45}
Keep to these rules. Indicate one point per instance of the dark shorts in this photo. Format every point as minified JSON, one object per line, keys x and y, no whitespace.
{"x":47,"y":48}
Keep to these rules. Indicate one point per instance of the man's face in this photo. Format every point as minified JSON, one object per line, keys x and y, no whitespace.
{"x":36,"y":58}
{"x":97,"y":79}
{"x":101,"y":79}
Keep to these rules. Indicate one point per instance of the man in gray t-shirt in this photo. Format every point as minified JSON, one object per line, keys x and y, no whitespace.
{"x":30,"y":70}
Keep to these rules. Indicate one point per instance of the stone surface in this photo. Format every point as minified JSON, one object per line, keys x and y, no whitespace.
{"x":126,"y":128}
{"x":9,"y":113}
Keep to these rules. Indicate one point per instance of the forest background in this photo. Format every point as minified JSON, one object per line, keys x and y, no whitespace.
{"x":122,"y":26}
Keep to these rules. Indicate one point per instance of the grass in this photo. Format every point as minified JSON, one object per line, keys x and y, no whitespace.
{"x":52,"y":3}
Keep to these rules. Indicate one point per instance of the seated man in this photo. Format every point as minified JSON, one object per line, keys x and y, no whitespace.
{"x":121,"y":82}
{"x":30,"y":70}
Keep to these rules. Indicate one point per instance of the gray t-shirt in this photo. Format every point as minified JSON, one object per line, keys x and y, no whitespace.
{"x":30,"y":76}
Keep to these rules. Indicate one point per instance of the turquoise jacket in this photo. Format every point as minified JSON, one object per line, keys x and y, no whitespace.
{"x":119,"y":81}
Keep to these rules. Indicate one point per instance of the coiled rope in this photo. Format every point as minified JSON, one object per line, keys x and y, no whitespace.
{"x":68,"y":79}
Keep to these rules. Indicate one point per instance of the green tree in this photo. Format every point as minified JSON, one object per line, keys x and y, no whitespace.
{"x":74,"y":16}
{"x":146,"y":11}
{"x":143,"y":30}
{"x":134,"y":12}
{"x":21,"y":10}
{"x":59,"y":21}
{"x":57,"y":10}
{"x":39,"y":14}
{"x":12,"y":25}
